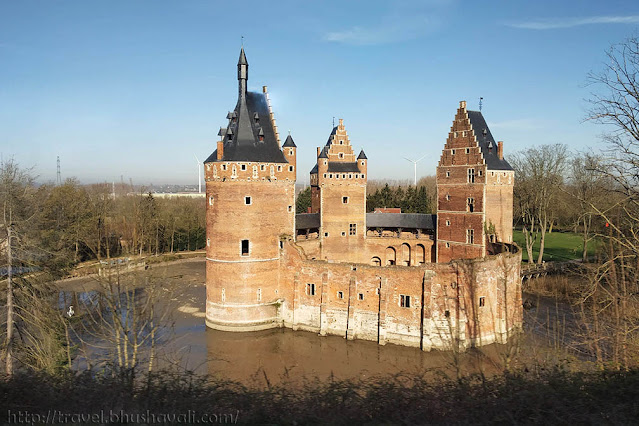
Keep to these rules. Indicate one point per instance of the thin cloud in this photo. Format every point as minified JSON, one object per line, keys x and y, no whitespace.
{"x":392,"y":31}
{"x":554,"y":23}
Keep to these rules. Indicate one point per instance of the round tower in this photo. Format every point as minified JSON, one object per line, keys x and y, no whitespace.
{"x":250,"y":189}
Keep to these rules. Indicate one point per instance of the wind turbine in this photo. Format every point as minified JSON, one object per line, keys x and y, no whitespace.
{"x":199,"y":175}
{"x":415,"y":166}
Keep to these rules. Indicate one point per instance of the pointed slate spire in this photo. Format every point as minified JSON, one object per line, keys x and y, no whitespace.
{"x":362,"y":156}
{"x":242,"y":73}
{"x":323,"y":154}
{"x":288,"y":143}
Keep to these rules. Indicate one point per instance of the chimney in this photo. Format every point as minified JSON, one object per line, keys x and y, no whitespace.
{"x":462,"y":104}
{"x":341,"y":123}
{"x":500,"y":150}
{"x":309,"y":210}
{"x":220,"y":150}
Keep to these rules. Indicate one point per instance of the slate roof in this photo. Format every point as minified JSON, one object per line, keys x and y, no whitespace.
{"x":315,"y":169}
{"x":242,"y":138}
{"x":307,"y":220}
{"x":289,"y":143}
{"x":401,"y":220}
{"x":485,"y":140}
{"x":335,"y":167}
{"x":362,"y":156}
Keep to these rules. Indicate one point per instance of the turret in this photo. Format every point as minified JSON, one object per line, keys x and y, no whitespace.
{"x":290,"y":151}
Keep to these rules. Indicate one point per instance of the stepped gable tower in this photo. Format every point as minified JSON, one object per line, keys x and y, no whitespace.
{"x":338,"y":194}
{"x":474,"y":190}
{"x":250,"y":189}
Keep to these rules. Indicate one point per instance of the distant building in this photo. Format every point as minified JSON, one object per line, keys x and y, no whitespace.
{"x":413,"y":279}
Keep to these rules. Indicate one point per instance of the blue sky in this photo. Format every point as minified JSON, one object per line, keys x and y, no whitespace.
{"x":137,"y":88}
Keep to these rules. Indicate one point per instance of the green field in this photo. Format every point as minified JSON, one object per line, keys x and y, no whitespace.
{"x":558,"y":246}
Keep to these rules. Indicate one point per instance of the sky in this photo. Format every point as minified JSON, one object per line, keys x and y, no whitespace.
{"x":138,"y":89}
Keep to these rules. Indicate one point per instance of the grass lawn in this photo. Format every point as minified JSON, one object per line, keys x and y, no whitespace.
{"x":558,"y":246}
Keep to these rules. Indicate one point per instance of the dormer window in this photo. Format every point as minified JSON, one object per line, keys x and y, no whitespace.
{"x":340,"y":155}
{"x":256,"y":117}
{"x":341,"y":142}
{"x":261,"y":135}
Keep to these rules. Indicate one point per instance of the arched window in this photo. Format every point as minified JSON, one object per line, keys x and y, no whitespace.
{"x":391,"y":256}
{"x":376,"y":261}
{"x":405,"y":254}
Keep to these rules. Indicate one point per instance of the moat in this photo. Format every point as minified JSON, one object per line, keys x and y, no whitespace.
{"x":282,"y":354}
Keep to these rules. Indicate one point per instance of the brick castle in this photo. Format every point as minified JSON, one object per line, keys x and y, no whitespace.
{"x":431,"y":281}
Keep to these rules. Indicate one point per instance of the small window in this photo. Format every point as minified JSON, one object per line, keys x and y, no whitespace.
{"x":447,"y":245}
{"x":310,"y":289}
{"x":479,"y":173}
{"x":350,"y":176}
{"x":247,"y":201}
{"x":447,"y":313}
{"x":223,"y":166}
{"x":404,"y":301}
{"x":454,"y":134}
{"x":290,"y":209}
{"x":290,"y":151}
{"x":324,"y":174}
{"x":343,"y":234}
{"x":290,"y":168}
{"x":326,"y":234}
{"x":279,"y":168}
{"x":330,"y":175}
{"x":464,"y":133}
{"x":470,"y":205}
{"x":447,"y":173}
{"x":263,"y":167}
{"x":243,"y":167}
{"x":352,"y":229}
{"x":344,"y":200}
{"x":211,"y":200}
{"x":447,"y":197}
{"x":467,"y":150}
{"x":259,"y":294}
{"x":341,"y":142}
{"x":340,"y":294}
{"x":470,"y":236}
{"x":453,"y":151}
{"x":448,"y":223}
{"x":482,"y":301}
{"x":245,"y":247}
{"x":471,"y":175}
{"x":208,"y":242}
{"x":340,"y":155}
{"x":281,"y":244}
{"x":360,"y":296}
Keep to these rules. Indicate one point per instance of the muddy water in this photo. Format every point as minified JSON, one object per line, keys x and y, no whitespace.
{"x":282,"y":354}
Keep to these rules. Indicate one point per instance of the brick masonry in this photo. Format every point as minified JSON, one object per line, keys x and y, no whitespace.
{"x":417,"y":290}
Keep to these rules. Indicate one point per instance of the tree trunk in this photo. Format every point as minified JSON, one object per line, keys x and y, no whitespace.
{"x":9,"y":355}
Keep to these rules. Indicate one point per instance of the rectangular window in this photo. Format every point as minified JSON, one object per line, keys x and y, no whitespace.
{"x":352,"y":229}
{"x":263,"y":167}
{"x":471,"y":175}
{"x":404,"y":301}
{"x":340,"y":294}
{"x":447,"y":173}
{"x":290,"y":168}
{"x":448,"y":223}
{"x":211,"y":200}
{"x":470,"y":205}
{"x":310,"y":289}
{"x":208,"y":242}
{"x":470,"y":236}
{"x":290,"y":209}
{"x":279,"y":168}
{"x":360,"y":296}
{"x":482,"y":301}
{"x":344,"y":200}
{"x":243,"y":166}
{"x":245,"y":247}
{"x":247,"y":201}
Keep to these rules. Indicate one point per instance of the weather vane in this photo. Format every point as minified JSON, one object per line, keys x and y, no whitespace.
{"x":480,"y":103}
{"x":242,"y":37}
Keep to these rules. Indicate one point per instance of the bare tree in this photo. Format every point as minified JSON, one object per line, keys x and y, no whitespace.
{"x":539,"y":172}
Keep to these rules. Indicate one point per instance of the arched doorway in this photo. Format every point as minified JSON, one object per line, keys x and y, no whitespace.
{"x":405,"y":254}
{"x":420,"y":254}
{"x":391,"y":256}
